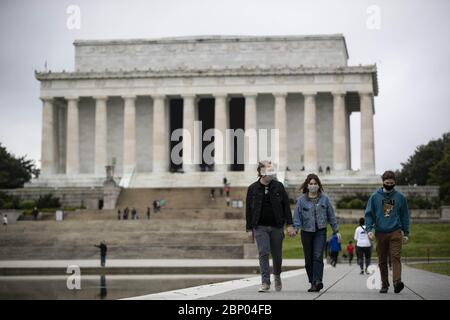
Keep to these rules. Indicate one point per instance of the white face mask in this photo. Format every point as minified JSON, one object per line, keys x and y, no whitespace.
{"x":313,"y":188}
{"x":269,"y":174}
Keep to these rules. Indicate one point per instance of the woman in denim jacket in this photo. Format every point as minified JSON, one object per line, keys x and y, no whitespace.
{"x":312,"y":214}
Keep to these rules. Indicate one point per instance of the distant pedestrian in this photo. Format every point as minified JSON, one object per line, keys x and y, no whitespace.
{"x":363,"y":246}
{"x":103,"y":250}
{"x":5,"y":220}
{"x":212,"y":193}
{"x":350,"y":250}
{"x":148,"y":213}
{"x":335,"y":248}
{"x":35,"y":213}
{"x":133,"y":214}
{"x":225,"y":182}
{"x":227,"y":190}
{"x":119,"y":214}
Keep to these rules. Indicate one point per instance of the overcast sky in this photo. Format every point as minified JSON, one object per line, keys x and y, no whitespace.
{"x":409,"y":43}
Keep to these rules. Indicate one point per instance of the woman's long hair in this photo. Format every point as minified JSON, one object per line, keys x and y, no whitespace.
{"x":311,"y":176}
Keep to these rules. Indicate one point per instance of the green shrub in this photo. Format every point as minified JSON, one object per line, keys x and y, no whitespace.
{"x":357,"y":201}
{"x":27,"y":204}
{"x":420,"y":202}
{"x":8,"y":205}
{"x":48,"y":201}
{"x":356,"y":204}
{"x":8,"y":201}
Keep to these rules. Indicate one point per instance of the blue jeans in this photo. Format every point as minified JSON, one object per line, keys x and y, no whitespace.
{"x":313,"y":246}
{"x":102,"y":260}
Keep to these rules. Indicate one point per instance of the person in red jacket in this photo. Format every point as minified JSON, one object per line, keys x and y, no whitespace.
{"x":350,"y":249}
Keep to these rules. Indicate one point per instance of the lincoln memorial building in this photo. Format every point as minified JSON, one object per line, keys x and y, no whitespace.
{"x":125,"y":98}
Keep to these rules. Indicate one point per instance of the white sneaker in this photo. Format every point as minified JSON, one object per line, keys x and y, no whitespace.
{"x":265,"y":287}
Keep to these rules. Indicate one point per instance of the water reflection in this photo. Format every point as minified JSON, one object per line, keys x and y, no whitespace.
{"x":94,"y":287}
{"x":103,"y":288}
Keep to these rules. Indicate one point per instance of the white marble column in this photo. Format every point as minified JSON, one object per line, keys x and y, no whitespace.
{"x":160,"y":135}
{"x":101,"y":123}
{"x":220,"y":124}
{"x":129,"y":133}
{"x":281,"y":124}
{"x":367,"y":134}
{"x":73,"y":137}
{"x":310,"y":143}
{"x":49,"y":160}
{"x":348,"y":141}
{"x":250,"y":141}
{"x":339,"y":132}
{"x":188,"y":125}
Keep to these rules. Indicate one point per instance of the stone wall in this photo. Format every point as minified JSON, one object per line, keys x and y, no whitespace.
{"x":337,"y":192}
{"x":416,"y":215}
{"x":68,"y":197}
{"x":210,"y":52}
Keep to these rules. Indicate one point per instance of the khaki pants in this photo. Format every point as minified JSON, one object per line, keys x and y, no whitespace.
{"x":389,"y":244}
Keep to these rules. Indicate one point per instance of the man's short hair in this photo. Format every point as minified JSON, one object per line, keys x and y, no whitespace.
{"x":388,"y":175}
{"x":262,"y":164}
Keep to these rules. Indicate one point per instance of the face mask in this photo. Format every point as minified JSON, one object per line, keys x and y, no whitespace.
{"x":269,"y":175}
{"x":388,"y":187}
{"x":313,"y":188}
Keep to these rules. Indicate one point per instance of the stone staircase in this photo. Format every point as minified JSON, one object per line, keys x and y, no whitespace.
{"x":190,"y":225}
{"x":132,"y":239}
{"x":178,"y":198}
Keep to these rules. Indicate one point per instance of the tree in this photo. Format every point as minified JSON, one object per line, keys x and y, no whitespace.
{"x":15,"y":172}
{"x":417,"y":168}
{"x":440,"y":175}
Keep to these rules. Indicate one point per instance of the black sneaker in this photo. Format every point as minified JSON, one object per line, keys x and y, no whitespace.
{"x":399,"y":287}
{"x":313,"y":288}
{"x":362,"y":272}
{"x":384,"y":290}
{"x":319,"y":286}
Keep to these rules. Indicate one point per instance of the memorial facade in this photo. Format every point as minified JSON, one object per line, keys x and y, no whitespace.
{"x":125,"y":98}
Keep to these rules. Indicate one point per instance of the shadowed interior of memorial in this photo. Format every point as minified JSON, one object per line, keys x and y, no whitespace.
{"x":237,"y":121}
{"x":206,"y":119}
{"x":176,"y":122}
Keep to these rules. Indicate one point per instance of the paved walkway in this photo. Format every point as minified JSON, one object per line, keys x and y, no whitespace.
{"x":342,"y":282}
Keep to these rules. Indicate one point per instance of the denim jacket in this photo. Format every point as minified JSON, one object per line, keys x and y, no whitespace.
{"x":304,"y":215}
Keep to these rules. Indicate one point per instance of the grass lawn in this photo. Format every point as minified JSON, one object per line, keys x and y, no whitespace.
{"x":438,"y":267}
{"x":432,"y":239}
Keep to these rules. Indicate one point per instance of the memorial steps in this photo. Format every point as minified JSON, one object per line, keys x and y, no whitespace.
{"x":132,"y":239}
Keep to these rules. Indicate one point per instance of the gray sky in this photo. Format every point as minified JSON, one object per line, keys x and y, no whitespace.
{"x":411,"y":49}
